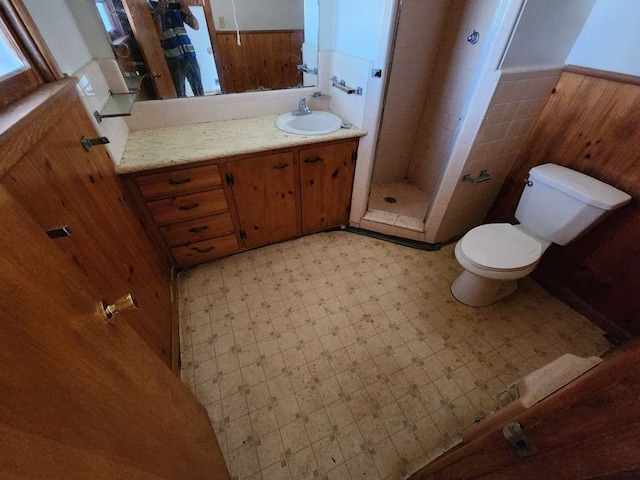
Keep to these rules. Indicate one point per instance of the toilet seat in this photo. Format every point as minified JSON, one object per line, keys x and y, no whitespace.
{"x":500,"y":247}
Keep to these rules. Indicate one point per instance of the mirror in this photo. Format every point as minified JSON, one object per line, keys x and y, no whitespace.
{"x":208,"y":47}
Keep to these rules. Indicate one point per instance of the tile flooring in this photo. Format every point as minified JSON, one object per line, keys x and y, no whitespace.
{"x":338,"y":356}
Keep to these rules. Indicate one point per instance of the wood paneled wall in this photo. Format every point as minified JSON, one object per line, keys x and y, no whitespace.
{"x":267,"y":59}
{"x":590,"y":124}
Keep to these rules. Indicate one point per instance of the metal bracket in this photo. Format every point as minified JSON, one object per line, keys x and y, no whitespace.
{"x":520,"y":443}
{"x":482,"y":177}
{"x":87,"y":143}
{"x":59,"y":232}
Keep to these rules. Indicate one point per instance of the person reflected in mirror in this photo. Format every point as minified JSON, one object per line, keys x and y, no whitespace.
{"x":170,"y":19}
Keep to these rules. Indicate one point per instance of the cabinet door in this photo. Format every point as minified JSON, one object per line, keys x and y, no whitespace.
{"x":264,"y":189}
{"x":326,"y":175}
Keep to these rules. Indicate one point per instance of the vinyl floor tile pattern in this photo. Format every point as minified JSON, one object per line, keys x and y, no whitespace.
{"x":336,"y":356}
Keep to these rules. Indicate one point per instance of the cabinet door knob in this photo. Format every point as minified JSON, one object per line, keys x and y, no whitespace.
{"x":199,"y":229}
{"x":191,"y":206}
{"x":179,"y":181}
{"x":280,"y":166}
{"x":313,"y":160}
{"x":203,"y":250}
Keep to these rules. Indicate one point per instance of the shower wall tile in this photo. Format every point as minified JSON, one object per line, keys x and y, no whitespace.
{"x":449,"y":86}
{"x":513,"y":111}
{"x":419,"y":31}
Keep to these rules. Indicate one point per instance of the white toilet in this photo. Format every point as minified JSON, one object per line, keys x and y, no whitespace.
{"x":557,"y":205}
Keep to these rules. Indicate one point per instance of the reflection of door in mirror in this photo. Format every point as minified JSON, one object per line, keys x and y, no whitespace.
{"x":277,"y":43}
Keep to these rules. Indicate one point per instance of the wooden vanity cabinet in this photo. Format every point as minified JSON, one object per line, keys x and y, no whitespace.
{"x":188,"y":212}
{"x":326,"y":179}
{"x":199,"y":212}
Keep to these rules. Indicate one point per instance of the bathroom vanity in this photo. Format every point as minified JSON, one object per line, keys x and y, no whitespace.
{"x":208,"y":190}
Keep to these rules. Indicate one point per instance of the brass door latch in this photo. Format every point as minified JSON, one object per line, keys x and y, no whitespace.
{"x":121,"y":305}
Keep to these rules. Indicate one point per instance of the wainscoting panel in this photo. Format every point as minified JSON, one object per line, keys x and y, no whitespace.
{"x":591,"y":123}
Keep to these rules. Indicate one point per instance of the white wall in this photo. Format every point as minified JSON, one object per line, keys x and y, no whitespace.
{"x":610,"y":38}
{"x":546,"y":31}
{"x":91,"y":28}
{"x":259,"y":15}
{"x":60,"y":31}
{"x":353,"y":27}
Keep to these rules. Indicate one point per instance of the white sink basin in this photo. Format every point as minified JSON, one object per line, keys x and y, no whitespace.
{"x":317,"y":123}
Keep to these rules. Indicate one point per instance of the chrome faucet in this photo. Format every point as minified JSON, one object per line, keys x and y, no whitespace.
{"x":303,"y":108}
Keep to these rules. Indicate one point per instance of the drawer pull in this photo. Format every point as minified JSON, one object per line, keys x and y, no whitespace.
{"x":179,"y":181}
{"x":199,"y":229}
{"x":191,"y":206}
{"x":203,"y":250}
{"x":280,"y":166}
{"x":313,"y":160}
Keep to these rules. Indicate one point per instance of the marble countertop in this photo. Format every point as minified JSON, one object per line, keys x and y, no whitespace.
{"x":168,"y":146}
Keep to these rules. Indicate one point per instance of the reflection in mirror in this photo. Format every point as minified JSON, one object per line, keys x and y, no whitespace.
{"x":235,"y":45}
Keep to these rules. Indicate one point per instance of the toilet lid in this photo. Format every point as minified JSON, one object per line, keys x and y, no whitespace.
{"x":501,"y":246}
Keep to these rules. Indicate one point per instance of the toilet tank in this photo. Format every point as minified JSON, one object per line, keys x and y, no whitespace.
{"x":558,"y":204}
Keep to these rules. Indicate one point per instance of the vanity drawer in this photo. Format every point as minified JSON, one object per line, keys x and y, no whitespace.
{"x":196,"y":230}
{"x":179,"y":181}
{"x":204,"y":251}
{"x":186,"y":207}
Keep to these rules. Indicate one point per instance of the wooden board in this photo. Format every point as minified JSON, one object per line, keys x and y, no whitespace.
{"x":185,"y":207}
{"x":80,"y":398}
{"x":59,"y":183}
{"x":264,"y":191}
{"x":326,"y":178}
{"x":265,"y":60}
{"x":587,"y":430}
{"x":591,"y":125}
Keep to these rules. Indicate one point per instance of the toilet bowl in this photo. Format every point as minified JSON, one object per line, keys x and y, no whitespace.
{"x":557,"y":205}
{"x":494,"y":256}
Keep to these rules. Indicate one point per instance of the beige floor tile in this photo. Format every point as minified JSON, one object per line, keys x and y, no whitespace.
{"x":362,"y":466}
{"x":303,"y":465}
{"x":341,"y":348}
{"x":328,"y":454}
{"x":294,"y":436}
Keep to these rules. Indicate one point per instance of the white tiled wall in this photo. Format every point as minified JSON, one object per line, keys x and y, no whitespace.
{"x":94,"y":93}
{"x":213,"y":108}
{"x":515,"y":106}
{"x":449,"y":87}
{"x":419,"y":29}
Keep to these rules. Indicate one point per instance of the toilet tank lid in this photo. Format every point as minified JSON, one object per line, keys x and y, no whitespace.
{"x":580,"y":186}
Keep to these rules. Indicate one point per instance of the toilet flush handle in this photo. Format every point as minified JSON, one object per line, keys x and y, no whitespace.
{"x":528,"y":182}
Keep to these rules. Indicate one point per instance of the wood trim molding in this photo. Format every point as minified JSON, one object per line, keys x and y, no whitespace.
{"x":613,"y":76}
{"x":24,"y":122}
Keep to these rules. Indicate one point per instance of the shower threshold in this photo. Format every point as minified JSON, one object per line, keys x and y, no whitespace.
{"x":394,"y":219}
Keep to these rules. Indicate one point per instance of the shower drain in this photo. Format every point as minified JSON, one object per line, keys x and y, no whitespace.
{"x":390,"y":199}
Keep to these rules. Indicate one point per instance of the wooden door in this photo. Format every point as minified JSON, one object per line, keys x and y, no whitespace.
{"x":144,"y":30}
{"x":80,"y":398}
{"x":264,"y":190}
{"x":326,"y":177}
{"x":589,"y":429}
{"x":59,"y":183}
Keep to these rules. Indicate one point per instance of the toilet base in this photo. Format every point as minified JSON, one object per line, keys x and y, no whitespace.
{"x":477,"y":291}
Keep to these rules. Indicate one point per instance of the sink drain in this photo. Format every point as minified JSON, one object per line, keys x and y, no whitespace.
{"x":390,"y":199}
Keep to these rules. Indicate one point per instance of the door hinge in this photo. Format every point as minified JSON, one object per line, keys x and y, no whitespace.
{"x":229,"y":178}
{"x":88,"y":143}
{"x":243,"y":234}
{"x":354,"y":156}
{"x":520,"y":443}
